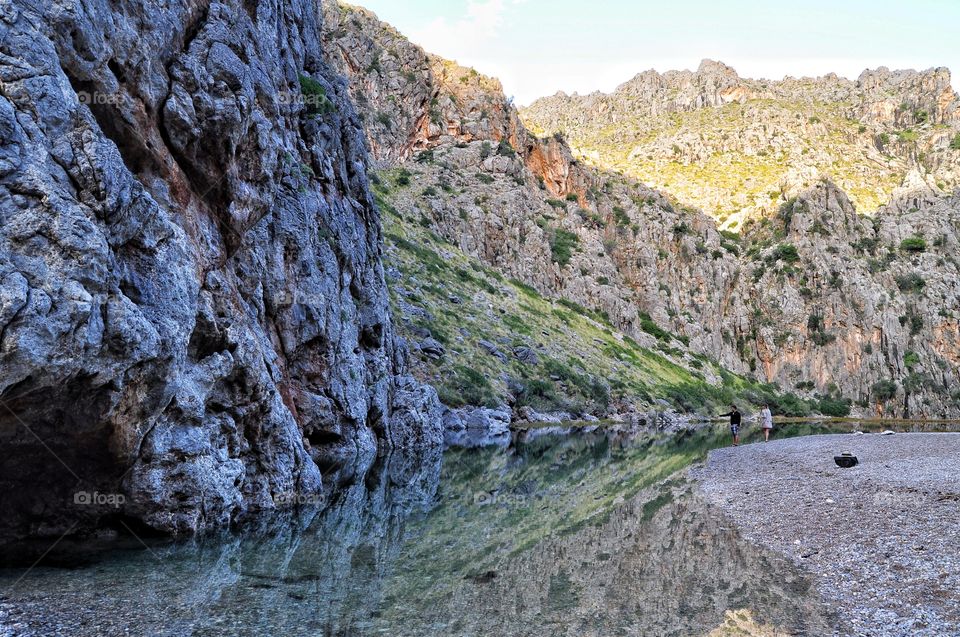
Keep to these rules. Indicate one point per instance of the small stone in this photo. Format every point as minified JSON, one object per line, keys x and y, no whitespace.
{"x":432,"y":348}
{"x":493,"y":350}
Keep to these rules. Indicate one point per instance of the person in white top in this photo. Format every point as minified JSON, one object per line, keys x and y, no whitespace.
{"x":766,"y":422}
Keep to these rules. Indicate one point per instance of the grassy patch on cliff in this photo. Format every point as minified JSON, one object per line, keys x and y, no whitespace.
{"x":506,"y":343}
{"x":733,"y":166}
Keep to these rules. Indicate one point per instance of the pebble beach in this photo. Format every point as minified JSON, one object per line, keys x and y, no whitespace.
{"x":882,"y":538}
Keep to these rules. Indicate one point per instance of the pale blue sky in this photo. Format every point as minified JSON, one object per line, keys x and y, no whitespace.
{"x":537,"y":47}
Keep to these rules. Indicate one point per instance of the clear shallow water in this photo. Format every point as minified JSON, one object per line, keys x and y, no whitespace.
{"x":562,"y":536}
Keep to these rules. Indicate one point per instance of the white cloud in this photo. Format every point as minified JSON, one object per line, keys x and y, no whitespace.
{"x":462,"y":38}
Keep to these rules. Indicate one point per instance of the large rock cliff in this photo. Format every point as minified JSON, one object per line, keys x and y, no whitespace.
{"x":410,"y":100}
{"x":809,"y":294}
{"x":737,"y":148}
{"x":194,"y":322}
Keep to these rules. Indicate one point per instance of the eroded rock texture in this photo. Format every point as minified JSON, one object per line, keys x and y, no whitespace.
{"x":812,"y":295}
{"x":411,"y":100}
{"x":192,"y":306}
{"x":737,"y":148}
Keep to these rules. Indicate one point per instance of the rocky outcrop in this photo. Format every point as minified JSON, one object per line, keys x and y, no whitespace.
{"x":410,"y":100}
{"x":907,"y":98}
{"x":738,"y":148}
{"x":858,"y":306}
{"x":713,"y":84}
{"x":477,"y":427}
{"x":193,"y":315}
{"x":880,"y":95}
{"x":834,"y":319}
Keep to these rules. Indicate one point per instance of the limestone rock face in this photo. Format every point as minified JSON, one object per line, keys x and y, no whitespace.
{"x":737,"y":148}
{"x":390,"y":81}
{"x":895,"y":97}
{"x":836,"y":317}
{"x":410,"y":100}
{"x":713,"y":84}
{"x":193,"y":313}
{"x":477,"y":427}
{"x":859,"y":309}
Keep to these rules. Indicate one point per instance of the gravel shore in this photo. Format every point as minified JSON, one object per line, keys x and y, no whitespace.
{"x":882,"y":538}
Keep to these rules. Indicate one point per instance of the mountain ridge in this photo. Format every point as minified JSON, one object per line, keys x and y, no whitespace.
{"x":480,"y":180}
{"x":738,"y":148}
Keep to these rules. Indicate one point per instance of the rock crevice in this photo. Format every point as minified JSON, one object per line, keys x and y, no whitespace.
{"x":192,"y":303}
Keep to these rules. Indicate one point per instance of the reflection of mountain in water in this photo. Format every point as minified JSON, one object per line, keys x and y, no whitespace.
{"x":666,"y":566}
{"x":316,"y":574}
{"x":583,"y":537}
{"x":578,"y":536}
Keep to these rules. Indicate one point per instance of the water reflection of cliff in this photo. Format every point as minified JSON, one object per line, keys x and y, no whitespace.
{"x":315,"y":573}
{"x":582,"y":537}
{"x":576,"y":537}
{"x":673,"y":574}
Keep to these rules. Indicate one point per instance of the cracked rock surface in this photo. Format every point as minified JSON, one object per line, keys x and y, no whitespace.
{"x":193,"y":314}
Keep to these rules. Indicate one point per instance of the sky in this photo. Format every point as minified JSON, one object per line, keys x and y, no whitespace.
{"x":537,"y":47}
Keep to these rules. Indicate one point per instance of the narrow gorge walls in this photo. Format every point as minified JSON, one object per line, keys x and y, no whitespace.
{"x":193,"y":315}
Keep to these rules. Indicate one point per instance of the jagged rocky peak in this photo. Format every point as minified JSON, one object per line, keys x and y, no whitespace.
{"x":906,"y":96}
{"x":389,"y":79}
{"x":737,"y":148}
{"x":411,"y":101}
{"x":712,"y":84}
{"x":880,"y":93}
{"x":193,"y":314}
{"x":408,"y":99}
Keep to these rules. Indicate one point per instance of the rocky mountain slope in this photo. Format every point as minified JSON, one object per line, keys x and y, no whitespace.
{"x":845,"y":311}
{"x":194,"y":322}
{"x":737,"y":148}
{"x":483,"y":339}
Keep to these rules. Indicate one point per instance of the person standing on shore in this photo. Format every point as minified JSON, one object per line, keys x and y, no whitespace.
{"x":766,"y":422}
{"x":735,"y":417}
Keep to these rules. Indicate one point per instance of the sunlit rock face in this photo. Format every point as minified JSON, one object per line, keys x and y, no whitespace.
{"x":837,"y":318}
{"x":193,"y":316}
{"x":408,"y":99}
{"x":736,"y":147}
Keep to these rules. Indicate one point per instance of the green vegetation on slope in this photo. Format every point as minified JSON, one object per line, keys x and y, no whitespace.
{"x":507,"y":343}
{"x":724,"y":162}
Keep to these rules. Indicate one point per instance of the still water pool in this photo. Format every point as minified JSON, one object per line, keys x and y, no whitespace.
{"x":591,"y":534}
